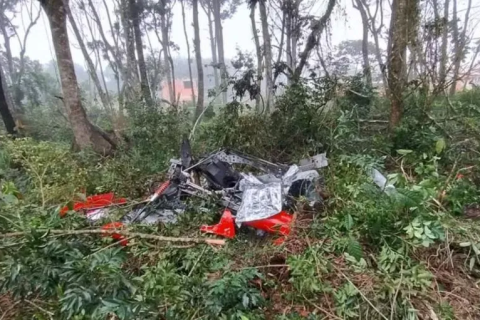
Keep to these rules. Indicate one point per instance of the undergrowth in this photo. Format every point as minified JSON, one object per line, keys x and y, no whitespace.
{"x":371,"y":254}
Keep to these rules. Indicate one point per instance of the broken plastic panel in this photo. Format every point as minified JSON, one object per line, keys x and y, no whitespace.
{"x":280,"y":223}
{"x":94,"y":202}
{"x":225,"y":227}
{"x":382,"y":182}
{"x":316,"y":162}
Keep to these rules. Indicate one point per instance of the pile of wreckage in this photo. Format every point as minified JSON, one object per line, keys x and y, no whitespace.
{"x":260,"y":201}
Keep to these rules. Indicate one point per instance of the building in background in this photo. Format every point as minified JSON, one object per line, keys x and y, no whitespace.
{"x":183,"y":90}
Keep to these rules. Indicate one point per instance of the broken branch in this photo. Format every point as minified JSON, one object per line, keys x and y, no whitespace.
{"x":121,"y":232}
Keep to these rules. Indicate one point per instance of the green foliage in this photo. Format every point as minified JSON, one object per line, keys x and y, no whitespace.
{"x":307,"y":270}
{"x":346,"y":300}
{"x":358,"y":96}
{"x":371,"y":236}
{"x":302,"y":124}
{"x":424,"y":232}
{"x":155,"y":137}
{"x":50,"y":169}
{"x":232,"y":294}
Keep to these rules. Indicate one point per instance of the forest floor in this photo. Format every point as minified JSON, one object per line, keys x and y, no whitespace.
{"x":413,"y":254}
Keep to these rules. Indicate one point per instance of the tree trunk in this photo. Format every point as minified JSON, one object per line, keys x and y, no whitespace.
{"x":375,"y":33}
{"x":281,"y":44}
{"x":398,"y":42}
{"x":444,"y":47}
{"x":288,"y":35}
{"x":296,"y":31}
{"x":86,"y":134}
{"x":267,"y":50}
{"x":188,"y":51}
{"x":213,"y":45}
{"x":135,"y":20}
{"x":17,"y":106}
{"x":115,"y":52}
{"x":4,"y":109}
{"x":166,"y":51}
{"x":258,"y":50}
{"x":456,"y":46}
{"x":91,"y":67}
{"x":132,"y":71}
{"x":221,"y":55}
{"x":168,"y":69}
{"x":7,"y":46}
{"x":367,"y":72}
{"x":6,"y":93}
{"x":312,"y":40}
{"x":198,"y":58}
{"x":460,"y":43}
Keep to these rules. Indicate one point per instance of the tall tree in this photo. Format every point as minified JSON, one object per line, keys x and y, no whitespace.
{"x":182,"y":3}
{"x":207,"y":8}
{"x":444,"y":47}
{"x":376,"y":31}
{"x":132,"y":70}
{"x":6,"y":92}
{"x":91,"y":67}
{"x":135,"y":20}
{"x":293,"y":25}
{"x":313,"y":38}
{"x":220,"y":47}
{"x":367,"y":71}
{"x":259,"y":54}
{"x":7,"y":34}
{"x":460,"y":41}
{"x":86,"y":135}
{"x":164,"y":10}
{"x":4,"y":109}
{"x":198,"y":58}
{"x":267,"y":51}
{"x":8,"y":30}
{"x":403,"y":25}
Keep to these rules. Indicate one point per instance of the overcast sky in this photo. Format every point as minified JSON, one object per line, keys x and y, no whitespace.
{"x":346,"y":25}
{"x":237,"y":32}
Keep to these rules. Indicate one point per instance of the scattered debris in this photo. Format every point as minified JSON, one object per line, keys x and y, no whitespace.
{"x":381,"y":181}
{"x":94,"y":205}
{"x":225,"y":228}
{"x":257,"y":201}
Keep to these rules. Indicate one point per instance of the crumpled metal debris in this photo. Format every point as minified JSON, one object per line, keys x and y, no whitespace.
{"x":264,"y":196}
{"x":258,"y":201}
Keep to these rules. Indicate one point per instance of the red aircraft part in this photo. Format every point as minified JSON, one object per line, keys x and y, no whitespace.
{"x":277,"y":224}
{"x":225,"y":228}
{"x":115,"y":236}
{"x":94,"y":202}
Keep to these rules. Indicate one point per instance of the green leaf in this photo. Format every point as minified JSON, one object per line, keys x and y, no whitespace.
{"x":418,"y":233}
{"x":348,"y":222}
{"x":472,"y":263}
{"x":245,"y":301}
{"x":10,"y":199}
{"x":404,"y":151}
{"x":354,"y":248}
{"x":429,"y":233}
{"x":440,"y":145}
{"x":475,"y":249}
